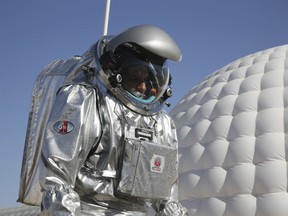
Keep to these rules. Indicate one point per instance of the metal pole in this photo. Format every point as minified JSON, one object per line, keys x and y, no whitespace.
{"x":106,"y":20}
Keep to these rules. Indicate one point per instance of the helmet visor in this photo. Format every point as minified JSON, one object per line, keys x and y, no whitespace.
{"x":144,"y":80}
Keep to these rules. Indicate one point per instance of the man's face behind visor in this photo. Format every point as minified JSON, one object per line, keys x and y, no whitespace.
{"x":138,"y":81}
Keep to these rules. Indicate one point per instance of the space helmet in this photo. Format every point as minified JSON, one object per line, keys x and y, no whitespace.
{"x":138,"y":57}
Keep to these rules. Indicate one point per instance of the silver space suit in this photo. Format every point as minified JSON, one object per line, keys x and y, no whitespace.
{"x":97,"y":147}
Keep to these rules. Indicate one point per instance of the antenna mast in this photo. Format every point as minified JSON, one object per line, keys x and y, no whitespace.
{"x":106,"y":20}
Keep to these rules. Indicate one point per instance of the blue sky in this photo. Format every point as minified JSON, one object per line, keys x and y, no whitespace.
{"x":211,"y":34}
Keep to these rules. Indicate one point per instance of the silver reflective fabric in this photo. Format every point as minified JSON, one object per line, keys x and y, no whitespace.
{"x":75,"y":152}
{"x":149,"y":169}
{"x":52,"y":76}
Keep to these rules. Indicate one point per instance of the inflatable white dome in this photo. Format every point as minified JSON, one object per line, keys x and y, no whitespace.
{"x":233,"y":143}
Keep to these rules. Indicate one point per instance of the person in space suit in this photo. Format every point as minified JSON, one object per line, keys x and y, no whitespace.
{"x":109,"y":148}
